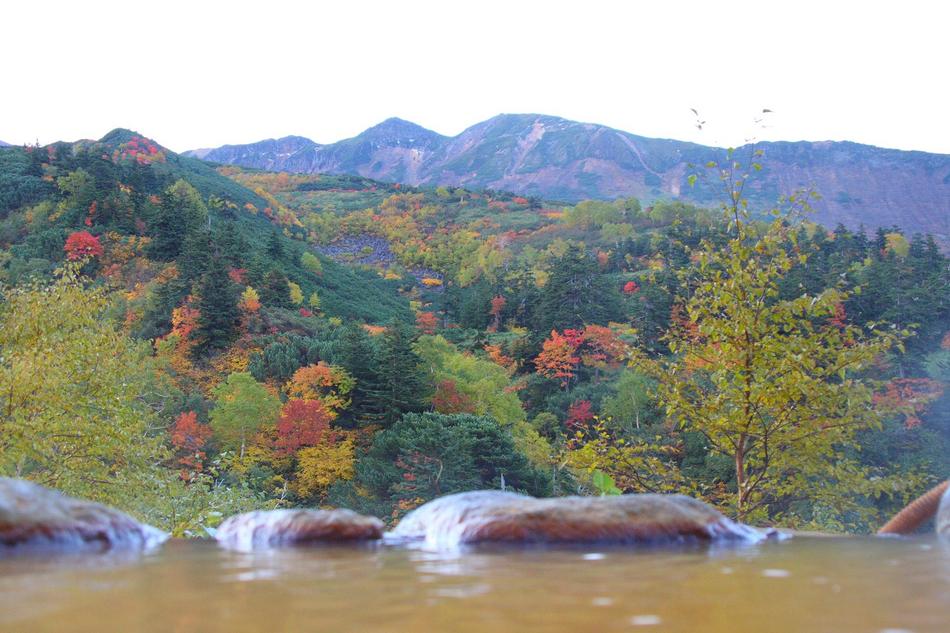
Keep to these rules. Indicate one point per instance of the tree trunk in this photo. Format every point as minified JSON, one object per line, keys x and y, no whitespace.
{"x":740,"y":476}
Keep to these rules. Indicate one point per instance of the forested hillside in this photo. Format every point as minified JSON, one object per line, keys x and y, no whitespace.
{"x":554,"y":158}
{"x":184,"y":341}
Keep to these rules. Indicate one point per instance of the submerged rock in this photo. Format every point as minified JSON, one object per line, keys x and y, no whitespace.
{"x":505,"y":517}
{"x":35,"y":517}
{"x":276,"y":528}
{"x":943,"y":515}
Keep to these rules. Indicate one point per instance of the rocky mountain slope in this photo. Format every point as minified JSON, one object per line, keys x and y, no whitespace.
{"x":556,"y":158}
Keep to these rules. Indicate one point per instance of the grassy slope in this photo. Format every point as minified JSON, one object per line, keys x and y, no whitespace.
{"x":345,"y":292}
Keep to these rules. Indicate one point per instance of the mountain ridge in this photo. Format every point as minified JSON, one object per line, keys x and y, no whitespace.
{"x":556,"y":158}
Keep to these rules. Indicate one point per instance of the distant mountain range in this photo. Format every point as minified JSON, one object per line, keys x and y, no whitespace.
{"x":555,"y":158}
{"x":4,"y":144}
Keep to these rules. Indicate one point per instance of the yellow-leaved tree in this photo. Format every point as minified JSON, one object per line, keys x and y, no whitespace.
{"x":772,"y":382}
{"x":319,"y":466}
{"x":71,"y":416}
{"x":74,"y":414}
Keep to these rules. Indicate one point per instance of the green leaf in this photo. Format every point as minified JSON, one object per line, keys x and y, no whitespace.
{"x":604,"y":484}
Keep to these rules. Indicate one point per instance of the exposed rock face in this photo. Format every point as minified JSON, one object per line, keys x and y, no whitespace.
{"x":943,"y":515}
{"x":533,"y":154}
{"x":488,"y":516}
{"x":277,"y":528}
{"x":35,"y":517}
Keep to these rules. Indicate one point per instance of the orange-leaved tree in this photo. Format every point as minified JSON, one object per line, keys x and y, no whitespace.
{"x":302,"y":423}
{"x":189,"y":437}
{"x":557,"y":358}
{"x":329,"y":384}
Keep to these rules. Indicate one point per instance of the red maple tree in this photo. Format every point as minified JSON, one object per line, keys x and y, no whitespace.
{"x":237,"y":275}
{"x":579,"y":414}
{"x":82,"y":244}
{"x":302,"y":423}
{"x":448,"y":399}
{"x":497,"y":305}
{"x":189,"y":438}
{"x":840,"y":318}
{"x":427,"y":322}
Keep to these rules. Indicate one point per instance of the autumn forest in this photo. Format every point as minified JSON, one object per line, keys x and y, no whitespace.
{"x":186,"y":340}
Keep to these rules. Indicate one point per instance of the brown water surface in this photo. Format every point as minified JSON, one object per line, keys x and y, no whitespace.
{"x":807,"y":585}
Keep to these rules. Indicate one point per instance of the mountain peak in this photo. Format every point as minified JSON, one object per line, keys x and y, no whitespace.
{"x":394,"y":123}
{"x":122,"y":135}
{"x":526,"y":117}
{"x":293,"y":138}
{"x":396,"y":131}
{"x":520,"y":124}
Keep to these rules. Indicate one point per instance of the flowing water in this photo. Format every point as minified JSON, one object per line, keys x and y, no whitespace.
{"x":807,"y":585}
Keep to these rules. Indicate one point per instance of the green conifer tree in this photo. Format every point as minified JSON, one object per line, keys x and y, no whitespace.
{"x":576,"y":294}
{"x":274,"y":291}
{"x":219,"y":316}
{"x":402,"y":384}
{"x":275,"y":246}
{"x":167,"y":231}
{"x":195,"y":256}
{"x":358,"y":356}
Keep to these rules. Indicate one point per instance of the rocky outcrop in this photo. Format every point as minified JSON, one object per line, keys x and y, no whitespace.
{"x":33,"y":517}
{"x":277,"y":528}
{"x":502,"y":517}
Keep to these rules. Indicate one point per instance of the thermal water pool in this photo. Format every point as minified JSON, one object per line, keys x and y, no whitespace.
{"x":806,"y":585}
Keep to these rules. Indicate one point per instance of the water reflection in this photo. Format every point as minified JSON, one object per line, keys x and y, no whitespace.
{"x":292,"y":564}
{"x":841,"y":585}
{"x":31,"y":581}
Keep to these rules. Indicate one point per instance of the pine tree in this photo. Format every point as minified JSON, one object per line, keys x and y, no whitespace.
{"x":195,"y":256}
{"x":157,"y":319}
{"x":274,"y":290}
{"x":181,"y":213}
{"x":167,"y":231}
{"x":257,"y":269}
{"x":358,"y":356}
{"x":232,"y":244}
{"x":219,"y":316}
{"x":275,"y":247}
{"x":576,"y":294}
{"x":402,"y":383}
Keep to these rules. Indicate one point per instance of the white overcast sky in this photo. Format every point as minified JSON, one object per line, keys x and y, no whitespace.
{"x":204,"y":73}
